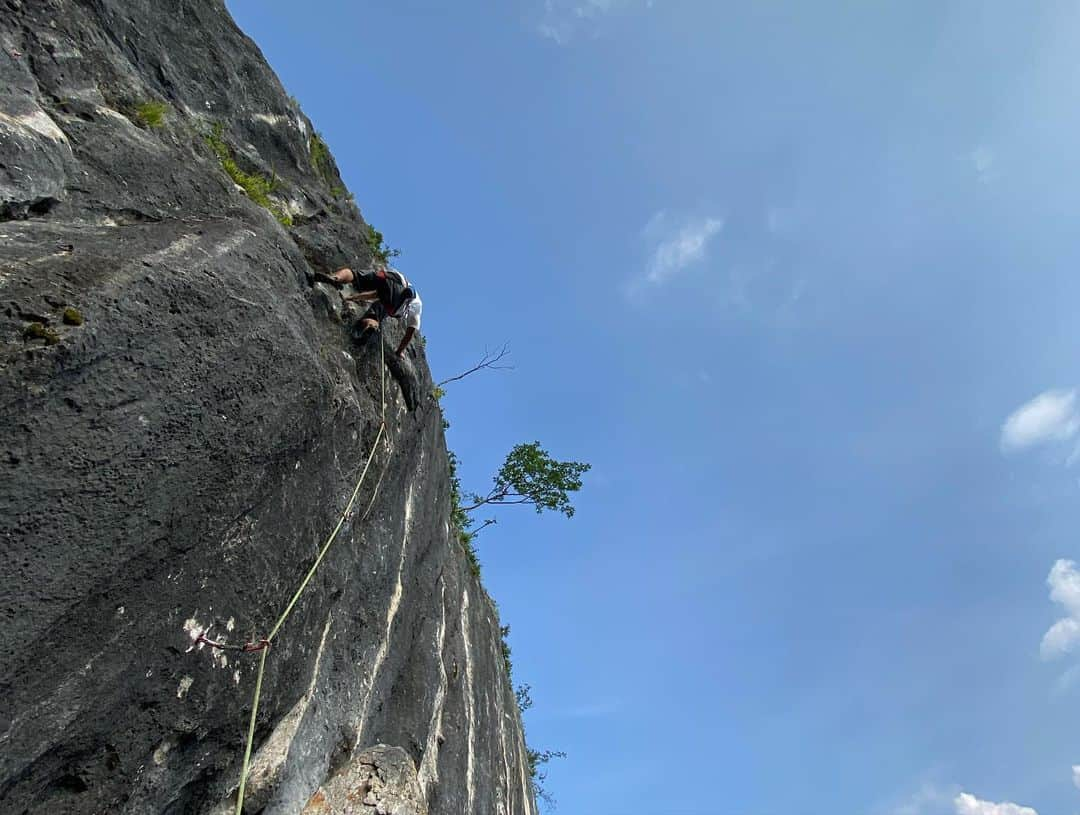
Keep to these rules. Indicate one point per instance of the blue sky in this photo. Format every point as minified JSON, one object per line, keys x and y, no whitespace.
{"x":799,"y":280}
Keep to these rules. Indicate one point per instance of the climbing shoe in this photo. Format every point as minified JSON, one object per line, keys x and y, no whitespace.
{"x":362,"y":334}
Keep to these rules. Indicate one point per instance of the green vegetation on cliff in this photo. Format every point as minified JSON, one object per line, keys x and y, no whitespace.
{"x":256,"y":187}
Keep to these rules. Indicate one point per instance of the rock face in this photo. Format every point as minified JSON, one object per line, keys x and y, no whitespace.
{"x":184,"y":419}
{"x":380,"y":780}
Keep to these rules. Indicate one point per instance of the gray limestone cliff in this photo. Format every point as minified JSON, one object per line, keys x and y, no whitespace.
{"x":183,"y":418}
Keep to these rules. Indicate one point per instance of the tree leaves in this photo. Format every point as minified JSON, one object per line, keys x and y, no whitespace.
{"x":531,"y":476}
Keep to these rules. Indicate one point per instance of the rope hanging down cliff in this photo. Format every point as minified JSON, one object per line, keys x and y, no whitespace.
{"x":263,"y":645}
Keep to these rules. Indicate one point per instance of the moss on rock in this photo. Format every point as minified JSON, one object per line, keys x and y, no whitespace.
{"x":150,"y":114}
{"x":39,"y":331}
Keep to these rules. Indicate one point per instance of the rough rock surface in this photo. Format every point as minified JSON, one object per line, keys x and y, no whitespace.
{"x":183,"y":420}
{"x":378,"y":781}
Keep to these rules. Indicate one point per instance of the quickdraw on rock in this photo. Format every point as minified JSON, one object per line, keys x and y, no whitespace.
{"x":247,"y":647}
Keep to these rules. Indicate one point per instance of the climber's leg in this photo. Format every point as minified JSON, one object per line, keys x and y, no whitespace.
{"x":368,"y":325}
{"x":341,"y":277}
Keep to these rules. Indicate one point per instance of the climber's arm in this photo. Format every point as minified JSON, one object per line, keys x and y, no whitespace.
{"x":405,"y":341}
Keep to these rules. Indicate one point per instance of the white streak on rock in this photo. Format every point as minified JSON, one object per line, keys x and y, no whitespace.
{"x":505,"y":801}
{"x":527,"y":802}
{"x":269,"y":761}
{"x":470,"y":714}
{"x":185,"y":686}
{"x":39,"y":122}
{"x":272,"y":119}
{"x":391,"y":613}
{"x":428,"y":775}
{"x":194,"y":629}
{"x":162,"y":752}
{"x":175,"y":249}
{"x":234,"y":241}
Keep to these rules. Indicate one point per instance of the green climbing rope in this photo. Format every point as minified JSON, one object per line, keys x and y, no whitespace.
{"x":265,"y":643}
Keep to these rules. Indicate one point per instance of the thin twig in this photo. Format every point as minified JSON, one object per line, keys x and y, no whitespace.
{"x":489,"y":361}
{"x":484,"y":525}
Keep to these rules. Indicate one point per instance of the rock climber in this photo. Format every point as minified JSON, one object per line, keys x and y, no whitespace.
{"x":390,"y":295}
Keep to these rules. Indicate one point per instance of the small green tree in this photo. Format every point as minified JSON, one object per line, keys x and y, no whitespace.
{"x":531,"y":476}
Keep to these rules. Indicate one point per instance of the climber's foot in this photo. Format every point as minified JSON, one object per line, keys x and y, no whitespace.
{"x":361,"y":334}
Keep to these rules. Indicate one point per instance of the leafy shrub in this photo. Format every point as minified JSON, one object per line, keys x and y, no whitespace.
{"x":523,"y":696}
{"x":459,"y":519}
{"x":504,"y":646}
{"x":379,"y":250}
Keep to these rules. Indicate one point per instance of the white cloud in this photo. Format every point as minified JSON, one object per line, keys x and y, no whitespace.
{"x":1064,"y":583}
{"x":968,"y":804}
{"x":1076,"y":775}
{"x":677,"y":244}
{"x":934,"y":799}
{"x":1049,"y":417}
{"x":563,"y":19}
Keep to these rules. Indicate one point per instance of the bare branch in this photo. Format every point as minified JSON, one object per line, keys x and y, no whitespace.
{"x":490,"y":361}
{"x":497,"y":500}
{"x":484,"y":525}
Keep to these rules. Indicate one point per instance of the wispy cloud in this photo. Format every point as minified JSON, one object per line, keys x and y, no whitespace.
{"x":676,"y":244}
{"x":968,"y":804}
{"x":933,"y":799}
{"x":1067,"y":681}
{"x":1076,"y":775}
{"x":562,"y":20}
{"x":983,"y":160}
{"x":1062,"y":636}
{"x":1049,"y":417}
{"x":929,"y":799}
{"x":779,"y":221}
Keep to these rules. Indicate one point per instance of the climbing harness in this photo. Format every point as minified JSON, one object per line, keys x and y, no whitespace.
{"x":262,"y":646}
{"x":399,"y":291}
